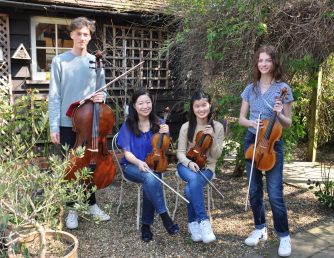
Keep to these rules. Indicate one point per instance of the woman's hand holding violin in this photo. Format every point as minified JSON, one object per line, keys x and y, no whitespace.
{"x":278,"y":107}
{"x":164,"y":128}
{"x":209,"y":130}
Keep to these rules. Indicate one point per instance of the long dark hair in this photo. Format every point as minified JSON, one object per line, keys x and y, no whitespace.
{"x":277,"y":70}
{"x":132,"y":118}
{"x":198,"y":95}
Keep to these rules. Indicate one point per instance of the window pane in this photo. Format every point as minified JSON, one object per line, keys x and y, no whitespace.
{"x":44,"y":59}
{"x":64,"y":39}
{"x":60,"y":51}
{"x":45,"y":35}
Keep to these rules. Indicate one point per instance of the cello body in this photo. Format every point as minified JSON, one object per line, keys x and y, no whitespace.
{"x":103,"y":165}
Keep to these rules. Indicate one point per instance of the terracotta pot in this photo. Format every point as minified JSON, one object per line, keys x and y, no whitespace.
{"x":51,"y":234}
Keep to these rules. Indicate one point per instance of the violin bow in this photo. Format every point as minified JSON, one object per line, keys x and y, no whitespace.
{"x":250,"y":177}
{"x":211,"y":184}
{"x":152,"y":173}
{"x":113,"y":81}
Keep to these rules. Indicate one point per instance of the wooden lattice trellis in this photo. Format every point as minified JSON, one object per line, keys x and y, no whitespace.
{"x":5,"y":73}
{"x":127,"y":46}
{"x":124,"y":47}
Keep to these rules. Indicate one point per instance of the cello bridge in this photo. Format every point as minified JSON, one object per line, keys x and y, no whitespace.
{"x":96,"y":150}
{"x":157,"y":155}
{"x":196,"y":151}
{"x":263,"y":147}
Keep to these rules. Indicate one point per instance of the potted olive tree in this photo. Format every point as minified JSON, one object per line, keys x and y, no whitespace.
{"x":32,"y":197}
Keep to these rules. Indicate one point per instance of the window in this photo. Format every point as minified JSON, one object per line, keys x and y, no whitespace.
{"x":49,"y":37}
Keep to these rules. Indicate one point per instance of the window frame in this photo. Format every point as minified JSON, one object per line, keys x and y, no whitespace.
{"x":41,"y":76}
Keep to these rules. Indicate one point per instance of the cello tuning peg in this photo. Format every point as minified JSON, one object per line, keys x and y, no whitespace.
{"x":104,"y":62}
{"x":276,"y":97}
{"x":91,"y":62}
{"x":286,"y":98}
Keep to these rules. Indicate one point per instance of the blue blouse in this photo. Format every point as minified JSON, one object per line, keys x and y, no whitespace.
{"x":264,"y":102}
{"x":139,"y":146}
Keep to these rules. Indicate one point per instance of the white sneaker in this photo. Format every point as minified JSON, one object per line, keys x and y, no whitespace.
{"x":257,"y":236}
{"x":206,"y":231}
{"x":95,"y":210}
{"x":193,"y":229}
{"x":72,"y":219}
{"x":284,"y":249}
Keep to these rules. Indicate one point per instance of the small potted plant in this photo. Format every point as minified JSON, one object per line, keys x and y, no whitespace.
{"x":32,"y":197}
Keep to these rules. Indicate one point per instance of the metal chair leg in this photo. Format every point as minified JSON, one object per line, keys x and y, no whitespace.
{"x":120,"y":197}
{"x":138,"y":206}
{"x":209,"y":206}
{"x":177,"y":197}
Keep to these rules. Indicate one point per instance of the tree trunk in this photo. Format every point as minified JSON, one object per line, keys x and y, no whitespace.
{"x":239,"y":170}
{"x":313,"y":140}
{"x":42,"y":240}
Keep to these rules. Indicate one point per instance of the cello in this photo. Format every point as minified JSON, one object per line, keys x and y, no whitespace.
{"x":265,"y":155}
{"x":157,"y":160}
{"x":197,"y":154}
{"x":92,"y":122}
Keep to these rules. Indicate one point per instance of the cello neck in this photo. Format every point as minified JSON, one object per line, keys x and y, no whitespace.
{"x":98,"y":69}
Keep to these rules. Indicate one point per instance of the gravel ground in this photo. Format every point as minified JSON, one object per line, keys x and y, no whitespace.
{"x":231,"y":224}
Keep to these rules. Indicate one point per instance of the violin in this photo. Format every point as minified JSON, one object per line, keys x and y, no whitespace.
{"x":265,"y":155}
{"x":197,"y":154}
{"x":92,"y":122}
{"x":157,"y":160}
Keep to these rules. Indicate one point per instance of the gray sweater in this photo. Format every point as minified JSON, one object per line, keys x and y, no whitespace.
{"x":71,"y":80}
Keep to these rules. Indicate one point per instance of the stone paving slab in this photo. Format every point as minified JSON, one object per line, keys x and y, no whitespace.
{"x":297,"y":173}
{"x":329,"y":253}
{"x":303,"y":245}
{"x":316,"y":243}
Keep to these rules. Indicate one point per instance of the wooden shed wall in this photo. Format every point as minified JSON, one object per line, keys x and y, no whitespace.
{"x":19,"y":24}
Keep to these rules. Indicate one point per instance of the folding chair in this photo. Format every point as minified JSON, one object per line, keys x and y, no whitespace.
{"x":118,"y":149}
{"x":115,"y":148}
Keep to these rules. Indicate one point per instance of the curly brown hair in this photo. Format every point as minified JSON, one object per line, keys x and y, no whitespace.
{"x":277,"y":70}
{"x":81,"y":22}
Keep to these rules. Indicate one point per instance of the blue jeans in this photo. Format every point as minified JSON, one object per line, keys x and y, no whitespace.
{"x":194,"y":192}
{"x":274,"y":179}
{"x":153,"y":198}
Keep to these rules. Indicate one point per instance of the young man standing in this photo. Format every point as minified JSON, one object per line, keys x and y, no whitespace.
{"x":72,"y":80}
